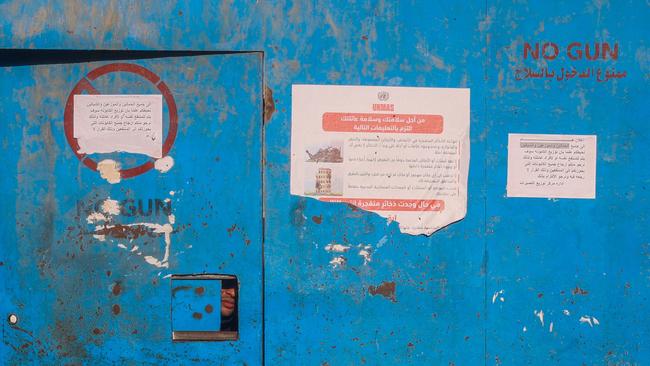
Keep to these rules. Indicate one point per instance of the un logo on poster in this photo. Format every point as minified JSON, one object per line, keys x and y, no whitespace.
{"x":383,"y":96}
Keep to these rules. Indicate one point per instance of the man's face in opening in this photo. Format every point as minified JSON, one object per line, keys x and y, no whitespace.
{"x":227,"y":301}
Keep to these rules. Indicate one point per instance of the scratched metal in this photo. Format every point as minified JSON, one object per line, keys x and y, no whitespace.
{"x":420,"y":300}
{"x":81,"y":300}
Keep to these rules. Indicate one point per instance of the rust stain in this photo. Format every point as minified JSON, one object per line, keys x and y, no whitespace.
{"x":97,"y":331}
{"x":385,"y":289}
{"x":579,"y":291}
{"x":117,"y":289}
{"x":199,"y":290}
{"x":126,"y":232}
{"x":209,"y":309}
{"x":68,"y":342}
{"x":269,"y":104}
{"x":317,"y":219}
{"x":116,"y":309}
{"x":197,"y":316}
{"x":232,"y":229}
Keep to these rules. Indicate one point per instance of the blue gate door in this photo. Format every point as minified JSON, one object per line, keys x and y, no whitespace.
{"x":119,"y":257}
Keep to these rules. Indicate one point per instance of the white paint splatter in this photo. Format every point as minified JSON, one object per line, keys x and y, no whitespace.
{"x":338,"y":262}
{"x":566,"y":312}
{"x":172,"y":219}
{"x":164,"y":164}
{"x":365,"y":252}
{"x":498,"y":294}
{"x":135,"y":248}
{"x":171,"y":193}
{"x":165,"y":229}
{"x":550,"y":327}
{"x":337,"y":248}
{"x":95,"y":217}
{"x":589,"y":320}
{"x":525,"y":329}
{"x":111,"y":207}
{"x":109,"y":170}
{"x":155,"y":262}
{"x":167,"y":276}
{"x":540,"y":315}
{"x":586,"y":319}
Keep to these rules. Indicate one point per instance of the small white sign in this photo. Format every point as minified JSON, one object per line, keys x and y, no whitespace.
{"x":551,"y":166}
{"x":112,"y":123}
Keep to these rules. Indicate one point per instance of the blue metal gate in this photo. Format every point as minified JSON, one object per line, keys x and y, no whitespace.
{"x":517,"y":281}
{"x":100,"y":268}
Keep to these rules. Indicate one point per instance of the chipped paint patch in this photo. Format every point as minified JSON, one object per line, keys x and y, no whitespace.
{"x":566,"y":312}
{"x":385,"y":289}
{"x":269,"y":104}
{"x":105,"y":227}
{"x":589,"y":320}
{"x":337,"y":248}
{"x":95,"y":217}
{"x":579,"y":291}
{"x":550,"y":327}
{"x":109,"y":170}
{"x":164,"y":164}
{"x":110,"y":207}
{"x":540,"y":314}
{"x":366,"y":253}
{"x":497,"y":295}
{"x":338,"y":262}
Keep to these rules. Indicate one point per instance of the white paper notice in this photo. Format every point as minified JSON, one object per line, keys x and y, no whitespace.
{"x":551,"y":166}
{"x":402,"y":153}
{"x":110,"y":123}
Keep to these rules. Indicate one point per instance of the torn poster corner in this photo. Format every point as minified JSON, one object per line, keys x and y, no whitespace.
{"x":402,"y":153}
{"x":119,"y":123}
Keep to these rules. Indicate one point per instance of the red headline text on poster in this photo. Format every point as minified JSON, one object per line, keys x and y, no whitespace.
{"x":382,"y":123}
{"x":383,"y":204}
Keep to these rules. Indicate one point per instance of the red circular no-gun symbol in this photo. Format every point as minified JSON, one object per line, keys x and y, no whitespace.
{"x":85,"y":85}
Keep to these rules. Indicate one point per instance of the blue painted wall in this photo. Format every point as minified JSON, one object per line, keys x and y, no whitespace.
{"x":589,"y":257}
